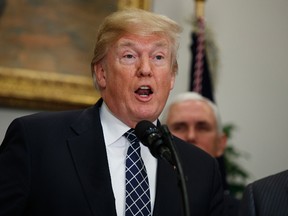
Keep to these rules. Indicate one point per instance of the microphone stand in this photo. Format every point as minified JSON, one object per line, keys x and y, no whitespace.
{"x":176,"y":163}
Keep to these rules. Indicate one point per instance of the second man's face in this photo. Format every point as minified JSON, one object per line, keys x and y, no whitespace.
{"x":136,"y":77}
{"x":194,"y":122}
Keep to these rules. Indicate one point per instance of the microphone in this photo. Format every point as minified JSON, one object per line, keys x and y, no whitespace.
{"x":160,"y":144}
{"x":152,"y":137}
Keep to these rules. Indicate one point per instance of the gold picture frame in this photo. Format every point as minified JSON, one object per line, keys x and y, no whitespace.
{"x":27,"y":88}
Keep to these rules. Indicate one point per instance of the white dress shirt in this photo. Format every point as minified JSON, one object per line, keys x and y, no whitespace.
{"x":116,"y":148}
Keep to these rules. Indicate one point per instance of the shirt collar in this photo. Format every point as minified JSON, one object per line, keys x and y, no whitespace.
{"x":111,"y":134}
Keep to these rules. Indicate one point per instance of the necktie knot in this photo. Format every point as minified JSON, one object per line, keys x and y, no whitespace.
{"x":130,"y":135}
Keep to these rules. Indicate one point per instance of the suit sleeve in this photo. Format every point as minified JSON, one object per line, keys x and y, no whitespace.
{"x":247,"y":205}
{"x":14,"y":169}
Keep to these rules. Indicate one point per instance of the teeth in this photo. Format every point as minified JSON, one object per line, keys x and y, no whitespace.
{"x":144,"y":91}
{"x":144,"y":87}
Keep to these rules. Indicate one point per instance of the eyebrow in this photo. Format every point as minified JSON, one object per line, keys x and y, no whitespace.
{"x":129,"y":43}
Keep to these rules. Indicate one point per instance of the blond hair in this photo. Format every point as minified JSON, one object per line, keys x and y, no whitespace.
{"x":135,"y":21}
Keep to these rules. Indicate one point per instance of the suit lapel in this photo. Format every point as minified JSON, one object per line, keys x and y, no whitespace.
{"x":89,"y":155}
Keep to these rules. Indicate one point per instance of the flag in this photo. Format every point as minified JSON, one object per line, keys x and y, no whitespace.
{"x":201,"y":77}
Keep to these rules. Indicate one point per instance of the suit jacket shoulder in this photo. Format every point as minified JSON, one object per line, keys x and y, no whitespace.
{"x":267,"y":196}
{"x":56,"y":158}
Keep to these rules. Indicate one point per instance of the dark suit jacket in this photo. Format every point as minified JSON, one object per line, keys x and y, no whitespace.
{"x":231,"y":205}
{"x":266,"y":197}
{"x":56,"y":164}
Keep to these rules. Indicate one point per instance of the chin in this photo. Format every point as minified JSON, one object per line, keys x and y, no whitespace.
{"x":148,"y":117}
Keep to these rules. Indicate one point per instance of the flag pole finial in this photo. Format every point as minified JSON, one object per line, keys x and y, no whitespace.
{"x":199,"y":8}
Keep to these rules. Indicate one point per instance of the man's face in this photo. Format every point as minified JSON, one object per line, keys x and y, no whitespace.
{"x":136,"y":77}
{"x":194,"y":122}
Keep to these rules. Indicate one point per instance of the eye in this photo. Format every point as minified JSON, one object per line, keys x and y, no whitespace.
{"x":178,"y":127}
{"x":128,"y":56}
{"x":203,"y":126}
{"x":159,"y":57}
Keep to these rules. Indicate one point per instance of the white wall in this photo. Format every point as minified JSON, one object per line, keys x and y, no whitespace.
{"x":252,"y":36}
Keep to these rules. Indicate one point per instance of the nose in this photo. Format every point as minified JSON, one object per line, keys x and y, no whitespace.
{"x":191,"y":136}
{"x":144,"y":66}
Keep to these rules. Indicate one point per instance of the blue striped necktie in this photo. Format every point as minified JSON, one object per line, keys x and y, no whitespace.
{"x":137,"y":185}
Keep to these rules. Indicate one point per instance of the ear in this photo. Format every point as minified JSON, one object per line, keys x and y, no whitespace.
{"x":100,"y":74}
{"x":172,"y":81}
{"x":222,"y":143}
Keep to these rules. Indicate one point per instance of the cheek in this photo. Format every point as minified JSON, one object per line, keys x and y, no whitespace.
{"x":179,"y":134}
{"x":165,"y":82}
{"x":205,"y":144}
{"x":182,"y":136}
{"x":117,"y":84}
{"x":210,"y":142}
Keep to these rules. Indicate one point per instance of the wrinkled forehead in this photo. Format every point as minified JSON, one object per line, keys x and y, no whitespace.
{"x":153,"y":41}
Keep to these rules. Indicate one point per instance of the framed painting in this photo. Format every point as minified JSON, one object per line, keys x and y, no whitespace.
{"x":46,"y":49}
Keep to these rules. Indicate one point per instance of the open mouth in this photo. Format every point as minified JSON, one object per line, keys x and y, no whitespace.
{"x":144,"y":91}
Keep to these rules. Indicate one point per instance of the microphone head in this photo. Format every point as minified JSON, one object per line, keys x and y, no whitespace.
{"x":144,"y":129}
{"x":153,"y":138}
{"x":150,"y":136}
